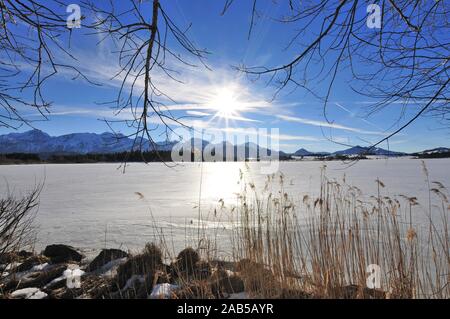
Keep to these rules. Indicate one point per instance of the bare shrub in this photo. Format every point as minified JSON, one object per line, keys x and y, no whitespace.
{"x":16,"y":221}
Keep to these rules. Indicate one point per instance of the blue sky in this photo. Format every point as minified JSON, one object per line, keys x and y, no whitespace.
{"x":206,"y":92}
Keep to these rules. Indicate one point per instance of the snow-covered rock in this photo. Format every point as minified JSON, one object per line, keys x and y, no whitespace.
{"x":28,"y":293}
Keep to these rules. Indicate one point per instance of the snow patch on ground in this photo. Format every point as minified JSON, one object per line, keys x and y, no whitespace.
{"x":29,"y":293}
{"x":162,"y":291}
{"x":71,"y":271}
{"x":109,"y":270}
{"x":12,"y":265}
{"x":239,"y":295}
{"x":39,"y":267}
{"x":132,"y":280}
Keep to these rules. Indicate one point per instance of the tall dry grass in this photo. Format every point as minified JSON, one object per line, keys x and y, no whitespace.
{"x":322,"y":247}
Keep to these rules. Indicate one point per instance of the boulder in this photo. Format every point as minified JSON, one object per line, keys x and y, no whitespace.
{"x":62,"y":253}
{"x":147,"y":263}
{"x":36,"y":279}
{"x":24,"y":254}
{"x":222,"y":283}
{"x":10,"y":257}
{"x":186,"y":262}
{"x":105,"y":256}
{"x":30,"y":262}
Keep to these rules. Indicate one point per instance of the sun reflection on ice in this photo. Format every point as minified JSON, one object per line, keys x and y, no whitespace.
{"x":221,"y":181}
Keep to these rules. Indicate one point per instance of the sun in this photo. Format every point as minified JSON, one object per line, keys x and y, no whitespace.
{"x":226,"y":102}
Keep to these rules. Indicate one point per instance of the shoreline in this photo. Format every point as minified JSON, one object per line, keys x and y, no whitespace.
{"x":252,"y":161}
{"x":61,"y":272}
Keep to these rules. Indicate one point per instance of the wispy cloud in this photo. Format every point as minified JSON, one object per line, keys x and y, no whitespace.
{"x":326,"y":124}
{"x":281,"y":137}
{"x":197,"y":113}
{"x":196,"y":89}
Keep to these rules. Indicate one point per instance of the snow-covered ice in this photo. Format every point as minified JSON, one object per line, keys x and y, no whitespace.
{"x":81,"y":203}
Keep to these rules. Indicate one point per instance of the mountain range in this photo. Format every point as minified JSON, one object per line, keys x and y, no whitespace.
{"x":39,"y":142}
{"x":36,"y":141}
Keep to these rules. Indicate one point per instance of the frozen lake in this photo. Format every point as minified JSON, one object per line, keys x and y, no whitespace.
{"x":95,"y":205}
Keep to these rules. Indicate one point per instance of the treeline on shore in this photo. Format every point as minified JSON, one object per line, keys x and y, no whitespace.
{"x":162,"y":156}
{"x":433,"y":155}
{"x":136,"y":156}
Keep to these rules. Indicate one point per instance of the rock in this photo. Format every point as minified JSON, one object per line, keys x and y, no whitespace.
{"x":11,"y":257}
{"x":65,"y":293}
{"x":136,"y":287}
{"x":8,"y":257}
{"x":30,"y":262}
{"x":222,"y":283}
{"x":185,"y":265}
{"x":105,"y":256}
{"x":147,"y":263}
{"x":62,"y":253}
{"x":24,"y":254}
{"x":36,"y":279}
{"x":202,"y":270}
{"x":151,"y":257}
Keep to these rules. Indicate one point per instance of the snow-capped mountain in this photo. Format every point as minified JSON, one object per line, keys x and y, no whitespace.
{"x":36,"y":141}
{"x":360,"y":150}
{"x":438,"y":150}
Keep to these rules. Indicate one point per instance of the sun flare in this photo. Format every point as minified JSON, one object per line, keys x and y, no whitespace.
{"x":226,"y":102}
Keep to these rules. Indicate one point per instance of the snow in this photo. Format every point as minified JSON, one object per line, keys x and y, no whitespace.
{"x":40,"y":267}
{"x":132,"y":280}
{"x":71,"y":212}
{"x":239,"y":295}
{"x":162,"y":291}
{"x":28,"y":293}
{"x":12,"y":265}
{"x":36,"y":141}
{"x":71,"y":271}
{"x":109,"y":270}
